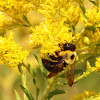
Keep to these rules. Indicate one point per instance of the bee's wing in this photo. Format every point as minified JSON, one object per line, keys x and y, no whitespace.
{"x":70,"y":75}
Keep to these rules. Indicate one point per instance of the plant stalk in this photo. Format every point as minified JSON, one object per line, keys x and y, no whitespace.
{"x":50,"y":85}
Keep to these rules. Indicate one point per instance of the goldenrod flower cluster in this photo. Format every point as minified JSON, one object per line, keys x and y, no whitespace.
{"x":59,"y":26}
{"x":6,"y":23}
{"x":97,"y":64}
{"x":15,"y":8}
{"x":86,"y":95}
{"x":12,"y":12}
{"x":92,"y":17}
{"x":89,"y":37}
{"x":10,"y":53}
{"x":57,"y":9}
{"x":50,"y":34}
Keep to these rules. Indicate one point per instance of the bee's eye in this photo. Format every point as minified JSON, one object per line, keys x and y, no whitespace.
{"x":72,"y":56}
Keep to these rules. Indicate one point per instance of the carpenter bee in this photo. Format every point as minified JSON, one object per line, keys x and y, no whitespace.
{"x":62,"y":59}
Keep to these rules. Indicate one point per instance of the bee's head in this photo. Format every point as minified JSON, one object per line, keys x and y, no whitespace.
{"x":70,"y":58}
{"x":69,"y":46}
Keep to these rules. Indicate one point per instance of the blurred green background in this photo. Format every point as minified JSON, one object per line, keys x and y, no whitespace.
{"x":10,"y":78}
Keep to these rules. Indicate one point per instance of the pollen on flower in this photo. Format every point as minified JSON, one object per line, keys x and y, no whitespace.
{"x":88,"y":65}
{"x":10,"y":53}
{"x":86,"y":94}
{"x":97,"y":64}
{"x":49,"y":35}
{"x":61,"y":9}
{"x":1,"y":42}
{"x":93,"y":17}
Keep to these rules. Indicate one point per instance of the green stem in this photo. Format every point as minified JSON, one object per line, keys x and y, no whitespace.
{"x":50,"y":85}
{"x":33,"y":77}
{"x":37,"y":92}
{"x":24,"y":84}
{"x":45,"y":95}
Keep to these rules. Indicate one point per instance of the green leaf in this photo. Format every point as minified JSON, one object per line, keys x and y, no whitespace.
{"x":17,"y":95}
{"x":28,"y":94}
{"x":94,"y":2}
{"x":13,"y":8}
{"x":28,"y":67}
{"x":78,"y":71}
{"x":91,"y":28}
{"x":43,"y":70}
{"x":26,"y":19}
{"x":34,"y":72}
{"x":63,"y":76}
{"x":98,"y":44}
{"x":98,"y":2}
{"x":98,"y":27}
{"x":25,"y":25}
{"x":20,"y":68}
{"x":65,"y":83}
{"x":58,"y":83}
{"x":37,"y":92}
{"x":55,"y":92}
{"x":83,"y":10}
{"x":34,"y":81}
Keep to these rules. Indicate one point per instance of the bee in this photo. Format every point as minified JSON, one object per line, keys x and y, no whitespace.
{"x":61,"y":60}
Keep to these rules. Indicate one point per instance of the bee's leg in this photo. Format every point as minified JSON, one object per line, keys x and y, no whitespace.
{"x":51,"y":75}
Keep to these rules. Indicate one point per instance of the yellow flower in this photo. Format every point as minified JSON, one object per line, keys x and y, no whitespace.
{"x":88,"y":38}
{"x":72,"y":14}
{"x":13,"y":11}
{"x":93,"y":17}
{"x":97,"y":64}
{"x":82,"y":96}
{"x":10,"y":53}
{"x":2,"y":17}
{"x":61,"y":8}
{"x":6,"y":22}
{"x":14,"y":8}
{"x":50,"y":34}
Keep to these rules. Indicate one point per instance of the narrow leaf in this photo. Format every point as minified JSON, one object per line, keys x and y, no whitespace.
{"x":97,"y":2}
{"x":34,"y":81}
{"x":28,"y":94}
{"x":28,"y":67}
{"x":55,"y":92}
{"x":34,"y":72}
{"x":58,"y":83}
{"x":20,"y":68}
{"x":98,"y":44}
{"x":26,"y":19}
{"x":26,"y":25}
{"x":37,"y":92}
{"x":83,"y":10}
{"x":43,"y":70}
{"x":94,"y":2}
{"x":92,"y":28}
{"x":63,"y":76}
{"x":77,"y":71}
{"x":13,"y":8}
{"x":98,"y":27}
{"x":17,"y":95}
